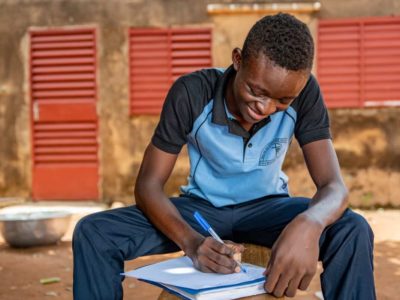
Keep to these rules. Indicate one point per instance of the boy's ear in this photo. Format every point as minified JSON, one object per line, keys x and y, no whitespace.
{"x":236,"y":58}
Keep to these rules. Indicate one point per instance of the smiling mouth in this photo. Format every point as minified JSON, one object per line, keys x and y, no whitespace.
{"x":254,"y":115}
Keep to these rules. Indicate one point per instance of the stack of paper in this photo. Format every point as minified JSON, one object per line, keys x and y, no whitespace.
{"x":180,"y":277}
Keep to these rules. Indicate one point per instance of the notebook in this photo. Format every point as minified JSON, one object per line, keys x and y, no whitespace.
{"x":179,"y":276}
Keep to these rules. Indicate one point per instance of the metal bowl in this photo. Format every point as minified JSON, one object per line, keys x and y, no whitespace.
{"x":26,"y":229}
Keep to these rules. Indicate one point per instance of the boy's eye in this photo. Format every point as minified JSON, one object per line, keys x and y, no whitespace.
{"x":255,"y":94}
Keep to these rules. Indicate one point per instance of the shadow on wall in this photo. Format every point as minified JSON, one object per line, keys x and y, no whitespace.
{"x":368,"y":149}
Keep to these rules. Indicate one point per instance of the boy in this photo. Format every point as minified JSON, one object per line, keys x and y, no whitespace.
{"x":238,"y":124}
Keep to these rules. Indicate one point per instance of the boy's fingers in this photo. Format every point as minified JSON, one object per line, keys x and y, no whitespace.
{"x":293,"y":286}
{"x":222,"y":260}
{"x":272,"y":280}
{"x":234,"y":246}
{"x":305,"y":282}
{"x":217,"y":268}
{"x":223,"y":249}
{"x":281,"y":285}
{"x":268,"y":268}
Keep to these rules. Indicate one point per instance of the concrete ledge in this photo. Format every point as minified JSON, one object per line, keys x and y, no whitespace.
{"x":263,"y":8}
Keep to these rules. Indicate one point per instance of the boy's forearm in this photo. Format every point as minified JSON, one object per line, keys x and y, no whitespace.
{"x":328,"y":204}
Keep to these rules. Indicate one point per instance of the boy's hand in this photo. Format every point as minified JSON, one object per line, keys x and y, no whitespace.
{"x":213,"y":257}
{"x":294,"y":257}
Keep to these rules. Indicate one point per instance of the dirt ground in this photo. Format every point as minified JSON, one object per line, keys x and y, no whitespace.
{"x":22,"y":269}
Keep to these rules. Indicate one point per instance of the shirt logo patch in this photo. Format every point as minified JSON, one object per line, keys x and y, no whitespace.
{"x":273,"y":151}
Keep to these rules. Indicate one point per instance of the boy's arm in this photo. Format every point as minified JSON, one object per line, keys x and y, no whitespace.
{"x":207,"y":254}
{"x":295,"y":253}
{"x":330,"y":200}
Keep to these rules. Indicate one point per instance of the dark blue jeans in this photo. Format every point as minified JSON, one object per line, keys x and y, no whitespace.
{"x":104,"y":240}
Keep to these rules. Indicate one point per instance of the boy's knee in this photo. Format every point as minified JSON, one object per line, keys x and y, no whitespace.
{"x":359,"y":225}
{"x":83,"y":227}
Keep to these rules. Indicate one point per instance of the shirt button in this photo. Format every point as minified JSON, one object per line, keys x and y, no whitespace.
{"x":250,"y":145}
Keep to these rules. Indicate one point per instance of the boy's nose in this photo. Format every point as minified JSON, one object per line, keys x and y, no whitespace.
{"x":266,"y":107}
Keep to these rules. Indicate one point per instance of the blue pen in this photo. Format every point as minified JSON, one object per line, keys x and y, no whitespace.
{"x":211,"y":231}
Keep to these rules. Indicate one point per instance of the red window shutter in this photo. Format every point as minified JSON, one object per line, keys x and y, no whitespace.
{"x":339,"y":63}
{"x":381,"y":76}
{"x":160,"y":56}
{"x":64,"y":118}
{"x":359,"y":61}
{"x":191,"y":50}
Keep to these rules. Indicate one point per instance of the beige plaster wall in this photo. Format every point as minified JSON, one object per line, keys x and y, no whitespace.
{"x":121,"y":137}
{"x":367,"y":143}
{"x":358,"y":8}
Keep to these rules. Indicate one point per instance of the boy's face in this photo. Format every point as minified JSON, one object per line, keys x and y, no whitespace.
{"x":261,"y":88}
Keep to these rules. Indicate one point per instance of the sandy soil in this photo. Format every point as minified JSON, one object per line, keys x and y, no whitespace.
{"x":22,"y":269}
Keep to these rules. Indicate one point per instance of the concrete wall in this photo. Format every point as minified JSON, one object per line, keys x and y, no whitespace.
{"x":370,"y":162}
{"x":367,"y":143}
{"x":358,"y":8}
{"x":122,"y":139}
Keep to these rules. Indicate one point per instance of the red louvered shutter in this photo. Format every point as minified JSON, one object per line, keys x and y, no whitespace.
{"x":160,"y":56}
{"x":191,"y":50}
{"x":359,"y":61}
{"x":64,"y":118}
{"x":381,"y":73}
{"x":150,"y":69}
{"x":339,"y":63}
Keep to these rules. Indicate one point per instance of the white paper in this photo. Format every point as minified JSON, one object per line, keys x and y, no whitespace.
{"x":181,"y":272}
{"x":223,"y":293}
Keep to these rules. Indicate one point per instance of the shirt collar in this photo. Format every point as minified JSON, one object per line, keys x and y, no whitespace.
{"x":218,"y":113}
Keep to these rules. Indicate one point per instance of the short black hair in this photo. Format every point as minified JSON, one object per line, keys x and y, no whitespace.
{"x":285,"y":40}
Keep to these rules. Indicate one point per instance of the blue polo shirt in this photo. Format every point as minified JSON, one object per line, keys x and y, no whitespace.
{"x":229,"y":165}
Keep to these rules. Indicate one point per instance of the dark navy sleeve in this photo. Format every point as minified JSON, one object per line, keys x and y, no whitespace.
{"x":175,"y":120}
{"x":312,"y":122}
{"x":184,"y":103}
